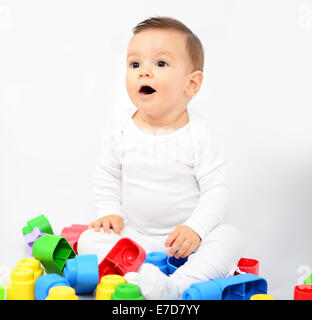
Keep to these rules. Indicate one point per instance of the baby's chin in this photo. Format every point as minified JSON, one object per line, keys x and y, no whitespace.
{"x":156,"y":105}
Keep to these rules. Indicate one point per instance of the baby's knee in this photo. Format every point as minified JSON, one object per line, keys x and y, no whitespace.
{"x":92,"y":242}
{"x":229,"y":236}
{"x":85,"y":241}
{"x":233,"y":232}
{"x":234,"y":238}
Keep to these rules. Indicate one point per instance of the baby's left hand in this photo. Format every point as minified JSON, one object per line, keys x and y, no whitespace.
{"x":183,"y":241}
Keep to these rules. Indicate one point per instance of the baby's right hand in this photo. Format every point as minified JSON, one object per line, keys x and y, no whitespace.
{"x":113,"y":221}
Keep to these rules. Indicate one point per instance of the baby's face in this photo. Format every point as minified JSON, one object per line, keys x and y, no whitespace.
{"x":158,"y":66}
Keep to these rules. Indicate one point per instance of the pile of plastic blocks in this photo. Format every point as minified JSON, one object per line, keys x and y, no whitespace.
{"x":55,"y":271}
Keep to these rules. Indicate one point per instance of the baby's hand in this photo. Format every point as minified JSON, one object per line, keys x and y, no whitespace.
{"x":184,"y":240}
{"x":113,"y":221}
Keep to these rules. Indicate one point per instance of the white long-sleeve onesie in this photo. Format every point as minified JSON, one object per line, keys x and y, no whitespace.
{"x":159,"y":182}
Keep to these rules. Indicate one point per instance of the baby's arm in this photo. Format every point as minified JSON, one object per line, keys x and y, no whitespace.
{"x":209,"y":169}
{"x":107,"y":187}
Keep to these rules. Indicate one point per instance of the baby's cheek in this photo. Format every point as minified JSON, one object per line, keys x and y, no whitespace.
{"x":168,"y":87}
{"x":130,"y":82}
{"x":174,"y":83}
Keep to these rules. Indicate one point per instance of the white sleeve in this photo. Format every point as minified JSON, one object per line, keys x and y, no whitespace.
{"x":210,"y":172}
{"x":107,"y":178}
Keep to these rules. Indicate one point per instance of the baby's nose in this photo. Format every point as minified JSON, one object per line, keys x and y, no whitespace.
{"x":145,"y":74}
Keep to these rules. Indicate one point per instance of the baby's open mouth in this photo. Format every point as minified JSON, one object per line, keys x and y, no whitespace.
{"x":147,"y":90}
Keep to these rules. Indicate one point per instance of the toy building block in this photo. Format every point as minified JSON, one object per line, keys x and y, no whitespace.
{"x":21,"y":284}
{"x":303,"y":292}
{"x":82,"y":273}
{"x":46,"y":282}
{"x":127,"y":291}
{"x":239,"y":287}
{"x":31,"y":237}
{"x":72,"y":234}
{"x":261,"y":297}
{"x":41,"y":222}
{"x":107,"y":286}
{"x":62,"y":293}
{"x":125,"y":256}
{"x":159,"y":259}
{"x":2,"y":292}
{"x":174,"y":263}
{"x":248,"y":266}
{"x":53,"y":251}
{"x":33,"y":264}
{"x":308,"y":280}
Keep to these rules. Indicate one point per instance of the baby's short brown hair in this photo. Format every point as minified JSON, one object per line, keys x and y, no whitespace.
{"x":193,"y":44}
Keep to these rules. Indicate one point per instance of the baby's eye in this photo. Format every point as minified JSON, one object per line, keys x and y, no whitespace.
{"x":134,"y":64}
{"x":162,"y":63}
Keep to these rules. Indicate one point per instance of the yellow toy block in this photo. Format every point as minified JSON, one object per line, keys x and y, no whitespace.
{"x":107,"y":286}
{"x":21,"y":284}
{"x":261,"y":297}
{"x":33,"y":264}
{"x":62,"y":293}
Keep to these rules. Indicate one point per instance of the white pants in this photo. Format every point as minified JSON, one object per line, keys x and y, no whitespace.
{"x":216,"y":256}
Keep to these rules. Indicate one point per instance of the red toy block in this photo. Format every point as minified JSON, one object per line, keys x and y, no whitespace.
{"x":72,"y":234}
{"x":303,"y":292}
{"x":125,"y":256}
{"x":248,"y":266}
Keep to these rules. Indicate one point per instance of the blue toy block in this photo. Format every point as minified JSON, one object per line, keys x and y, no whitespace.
{"x":239,"y":287}
{"x":46,"y":282}
{"x":174,"y":263}
{"x":159,"y":259}
{"x":82,"y":273}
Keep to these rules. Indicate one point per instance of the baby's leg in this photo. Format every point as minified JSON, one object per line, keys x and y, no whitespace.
{"x":216,"y":257}
{"x":100,"y":243}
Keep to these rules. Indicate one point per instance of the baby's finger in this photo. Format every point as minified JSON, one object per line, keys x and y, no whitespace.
{"x":106,"y":225}
{"x":188,"y":252}
{"x":91,"y":225}
{"x":171,"y":237}
{"x":176,"y":246}
{"x":121,"y":223}
{"x":115,"y":225}
{"x":184,"y":247}
{"x":97,"y":226}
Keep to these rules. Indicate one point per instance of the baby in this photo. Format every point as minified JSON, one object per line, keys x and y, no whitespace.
{"x":161,"y":179}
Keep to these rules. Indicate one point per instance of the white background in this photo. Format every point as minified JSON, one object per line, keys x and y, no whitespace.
{"x":62,"y":69}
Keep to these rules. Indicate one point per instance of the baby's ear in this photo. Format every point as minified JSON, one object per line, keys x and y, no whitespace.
{"x":195,"y":80}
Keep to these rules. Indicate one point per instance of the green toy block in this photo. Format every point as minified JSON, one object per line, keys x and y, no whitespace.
{"x":127,"y":291}
{"x":41,"y":222}
{"x":53,"y":251}
{"x":1,"y":292}
{"x":308,"y":280}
